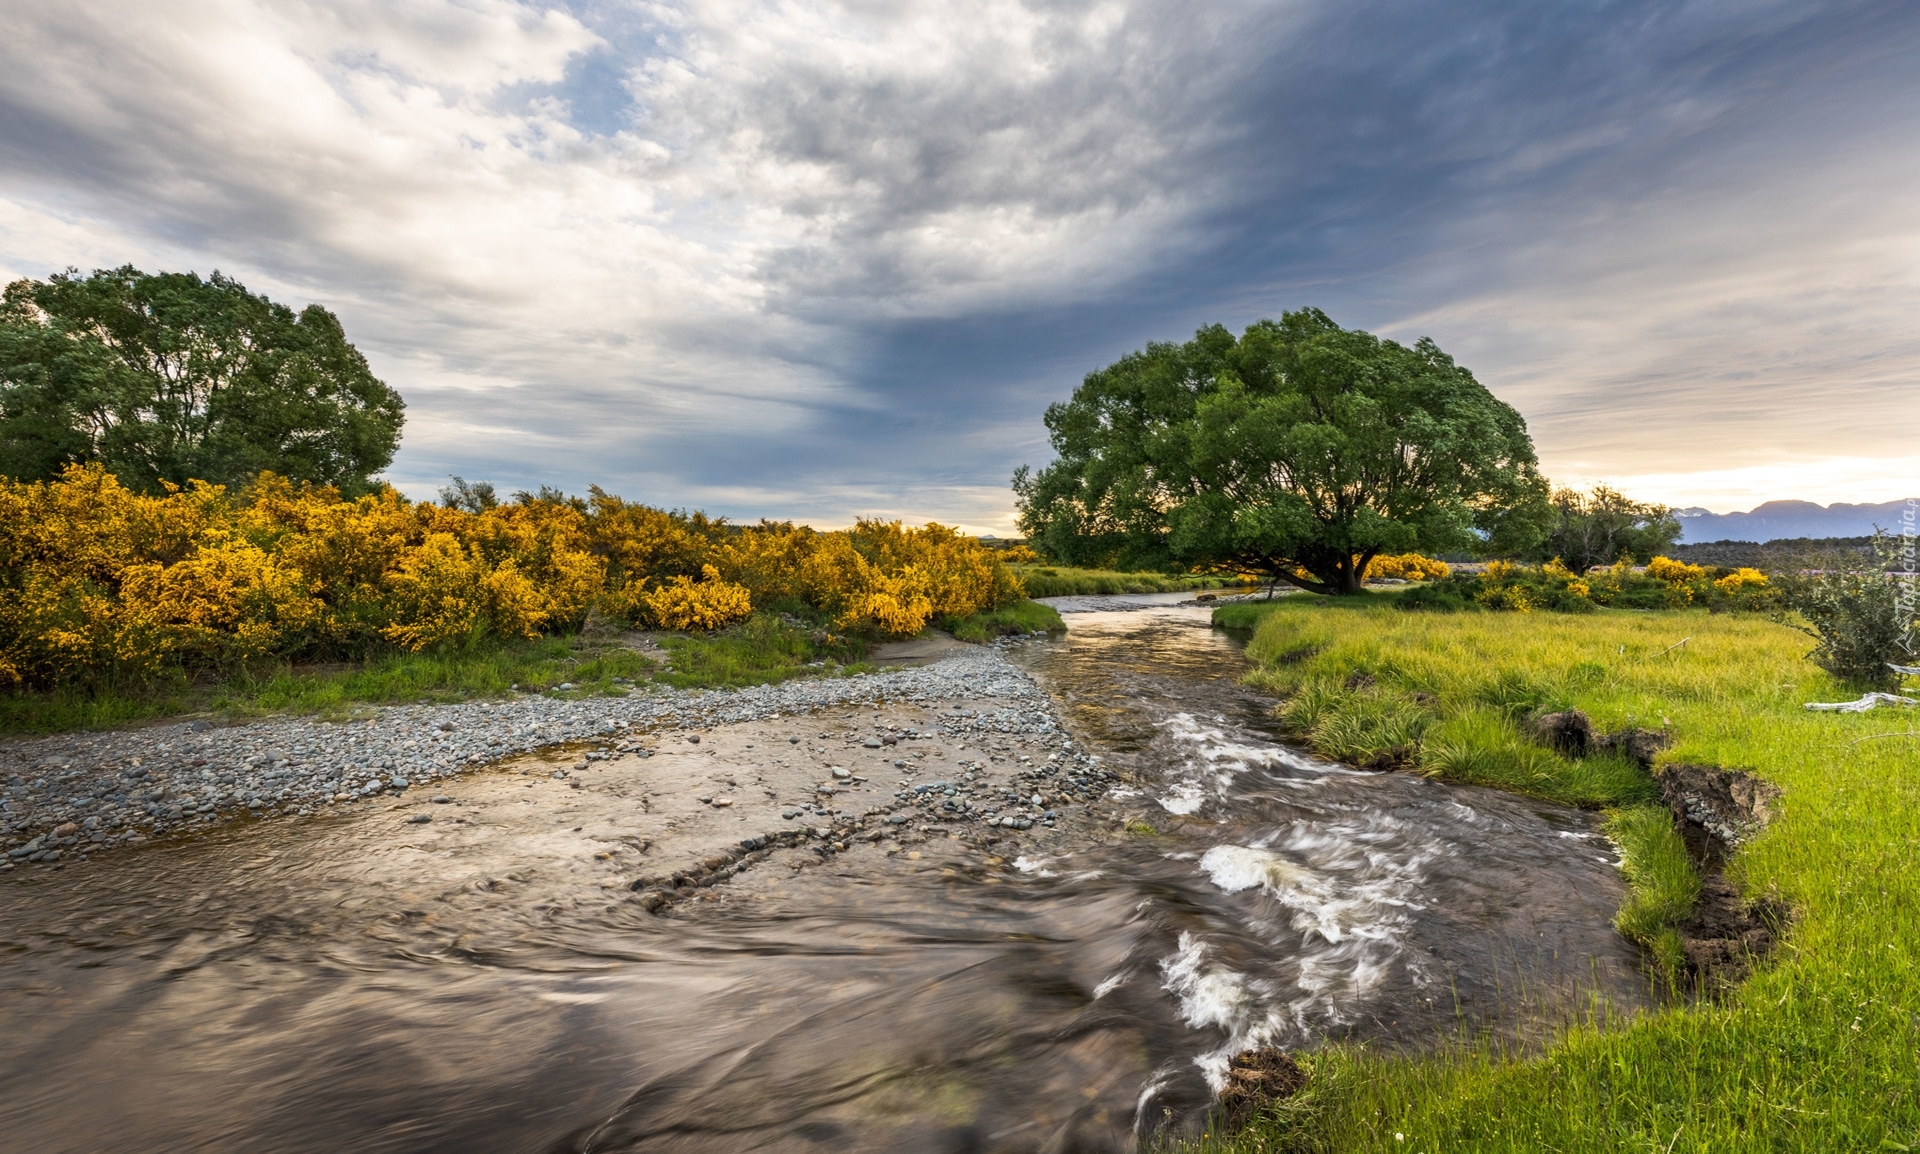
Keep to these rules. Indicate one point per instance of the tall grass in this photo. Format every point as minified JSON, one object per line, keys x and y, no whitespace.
{"x":1818,"y":1051}
{"x":1661,"y":878}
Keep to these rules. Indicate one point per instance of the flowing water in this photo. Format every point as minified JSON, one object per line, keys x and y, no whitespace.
{"x":302,"y":988}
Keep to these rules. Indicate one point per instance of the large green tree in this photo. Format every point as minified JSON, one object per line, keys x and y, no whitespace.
{"x":1298,"y":452}
{"x":170,"y":377}
{"x":1602,"y":526}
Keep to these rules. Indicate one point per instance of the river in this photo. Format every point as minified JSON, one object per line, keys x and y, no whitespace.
{"x":281,"y":988}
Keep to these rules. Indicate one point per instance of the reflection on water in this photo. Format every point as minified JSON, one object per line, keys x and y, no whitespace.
{"x":306,"y":988}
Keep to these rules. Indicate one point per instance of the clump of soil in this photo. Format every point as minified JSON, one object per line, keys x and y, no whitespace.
{"x":1725,"y":937}
{"x":1639,"y":745}
{"x":1729,"y":805}
{"x":1568,"y":732}
{"x":1716,"y":809}
{"x":1571,"y":733}
{"x":1256,"y":1078}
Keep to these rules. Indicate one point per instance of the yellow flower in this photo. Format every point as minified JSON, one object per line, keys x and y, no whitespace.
{"x":1740,"y":578}
{"x":681,"y":604}
{"x":1674,"y":572}
{"x":1407,"y":567}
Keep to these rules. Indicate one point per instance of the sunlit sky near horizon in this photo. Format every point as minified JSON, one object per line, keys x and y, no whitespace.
{"x":820,"y":260}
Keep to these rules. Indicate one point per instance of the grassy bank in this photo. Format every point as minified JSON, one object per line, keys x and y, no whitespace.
{"x":1818,"y":1051}
{"x":762,"y":649}
{"x":1063,"y":581}
{"x":1019,"y":617}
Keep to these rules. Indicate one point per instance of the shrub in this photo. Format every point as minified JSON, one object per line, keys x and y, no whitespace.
{"x":1861,"y":615}
{"x":682,"y":604}
{"x":1674,"y":572}
{"x":1408,"y":567}
{"x":1665,"y":584}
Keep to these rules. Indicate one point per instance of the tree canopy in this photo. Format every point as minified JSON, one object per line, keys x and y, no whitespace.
{"x":1600,"y":527}
{"x":169,"y":377}
{"x":1299,"y":452}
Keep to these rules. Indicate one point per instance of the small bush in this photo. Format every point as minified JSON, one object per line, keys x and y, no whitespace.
{"x":1408,"y":567}
{"x":1862,"y":616}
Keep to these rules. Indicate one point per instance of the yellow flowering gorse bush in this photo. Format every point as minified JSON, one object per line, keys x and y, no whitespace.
{"x":1663,"y":584}
{"x":98,"y":580}
{"x":682,"y":604}
{"x":1408,"y":567}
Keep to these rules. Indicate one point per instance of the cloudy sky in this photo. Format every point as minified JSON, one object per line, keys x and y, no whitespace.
{"x":817,"y":260}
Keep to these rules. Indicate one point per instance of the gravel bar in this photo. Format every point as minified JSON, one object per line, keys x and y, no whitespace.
{"x":71,"y":794}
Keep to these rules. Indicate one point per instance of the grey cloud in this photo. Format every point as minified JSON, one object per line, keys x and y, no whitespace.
{"x":835,"y":258}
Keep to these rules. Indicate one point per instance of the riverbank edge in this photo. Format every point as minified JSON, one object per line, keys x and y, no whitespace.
{"x":1687,"y":1076}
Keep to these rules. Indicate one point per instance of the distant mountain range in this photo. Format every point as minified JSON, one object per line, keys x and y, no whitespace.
{"x":1777,"y":519}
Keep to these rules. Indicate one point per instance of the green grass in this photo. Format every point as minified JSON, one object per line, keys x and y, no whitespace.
{"x":1020,"y":617}
{"x":755,"y":652}
{"x":764,"y":648}
{"x":1818,"y":1051}
{"x":1661,"y":880}
{"x":1063,"y":581}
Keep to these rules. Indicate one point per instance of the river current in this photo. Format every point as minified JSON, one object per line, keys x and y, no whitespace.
{"x":279,"y":988}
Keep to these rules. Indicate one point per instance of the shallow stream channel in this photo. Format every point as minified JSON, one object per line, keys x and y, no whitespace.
{"x":475,"y":972}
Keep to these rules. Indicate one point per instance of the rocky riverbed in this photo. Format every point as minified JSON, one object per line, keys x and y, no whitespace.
{"x":968,"y":745}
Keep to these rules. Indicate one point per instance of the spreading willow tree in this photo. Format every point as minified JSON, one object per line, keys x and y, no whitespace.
{"x":168,"y":377}
{"x":1297,"y":453}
